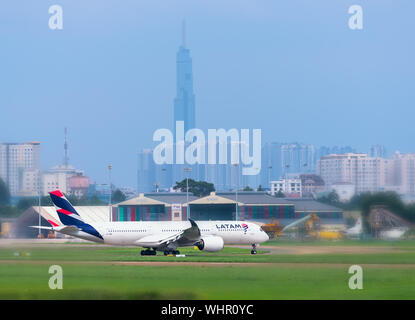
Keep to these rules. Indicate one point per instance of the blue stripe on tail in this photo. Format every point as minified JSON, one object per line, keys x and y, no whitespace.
{"x":68,"y":219}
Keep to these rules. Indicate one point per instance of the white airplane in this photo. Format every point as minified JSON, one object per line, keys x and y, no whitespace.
{"x":356,"y":230}
{"x":393,"y":233}
{"x":156,"y":235}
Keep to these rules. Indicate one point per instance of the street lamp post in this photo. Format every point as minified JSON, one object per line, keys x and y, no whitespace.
{"x":40,"y":208}
{"x":187,"y":190}
{"x":163,"y":178}
{"x":236,"y":193}
{"x":138,"y":173}
{"x":286,"y":179}
{"x":110,"y":200}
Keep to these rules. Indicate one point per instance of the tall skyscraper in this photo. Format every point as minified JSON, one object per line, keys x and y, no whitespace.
{"x":184,"y":108}
{"x":271,"y":166}
{"x":146,"y":173}
{"x":150,"y":176}
{"x":280,"y":159}
{"x":297,"y":158}
{"x":184,"y":103}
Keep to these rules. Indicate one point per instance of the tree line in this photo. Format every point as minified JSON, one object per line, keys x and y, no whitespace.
{"x":364,"y":201}
{"x":202,"y":188}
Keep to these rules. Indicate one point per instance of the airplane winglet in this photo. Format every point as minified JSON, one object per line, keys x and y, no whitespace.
{"x":193,"y":232}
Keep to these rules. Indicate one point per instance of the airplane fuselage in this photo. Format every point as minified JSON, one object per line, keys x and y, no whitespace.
{"x":130,"y":233}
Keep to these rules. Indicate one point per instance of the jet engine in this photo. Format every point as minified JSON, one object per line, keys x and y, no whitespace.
{"x":210,"y":244}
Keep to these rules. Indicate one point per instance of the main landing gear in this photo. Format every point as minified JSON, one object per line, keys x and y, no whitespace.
{"x":253,"y":251}
{"x":174,"y":252}
{"x":148,"y":252}
{"x":152,"y":252}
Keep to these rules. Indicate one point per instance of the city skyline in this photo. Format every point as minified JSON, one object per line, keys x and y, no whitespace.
{"x":315,"y":84}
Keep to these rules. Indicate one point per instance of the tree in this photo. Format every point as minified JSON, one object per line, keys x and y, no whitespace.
{"x":280,"y":194}
{"x":86,"y":201}
{"x":27,"y":202}
{"x":260,"y":188}
{"x":198,"y":188}
{"x":118,"y":196}
{"x":8,"y":211}
{"x":4,"y":193}
{"x":364,"y":201}
{"x":95,"y":201}
{"x":248,"y":188}
{"x":75,"y":201}
{"x":332,"y":198}
{"x":389,"y":199}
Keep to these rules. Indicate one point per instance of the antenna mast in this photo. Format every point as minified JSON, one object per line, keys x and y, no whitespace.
{"x":184,"y":33}
{"x":65,"y":146}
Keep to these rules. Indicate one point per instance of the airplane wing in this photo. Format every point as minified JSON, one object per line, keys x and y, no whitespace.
{"x":192,"y":233}
{"x":62,"y":229}
{"x":189,"y":235}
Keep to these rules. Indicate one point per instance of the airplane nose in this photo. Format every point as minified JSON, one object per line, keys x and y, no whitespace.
{"x":263,"y":235}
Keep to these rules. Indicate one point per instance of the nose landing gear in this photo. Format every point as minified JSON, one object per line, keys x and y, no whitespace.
{"x":253,"y":251}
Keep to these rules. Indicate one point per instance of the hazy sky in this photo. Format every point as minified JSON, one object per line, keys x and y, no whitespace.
{"x":291,"y":68}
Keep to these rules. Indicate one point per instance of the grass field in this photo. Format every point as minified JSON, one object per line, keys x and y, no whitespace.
{"x":348,"y":242}
{"x":101,"y":272}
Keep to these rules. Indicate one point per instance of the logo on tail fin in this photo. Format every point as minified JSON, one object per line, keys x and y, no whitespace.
{"x":68,"y":215}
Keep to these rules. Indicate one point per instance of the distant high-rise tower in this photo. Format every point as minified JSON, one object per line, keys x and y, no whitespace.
{"x":146,"y":177}
{"x":184,"y":107}
{"x":377,"y":151}
{"x":184,"y":103}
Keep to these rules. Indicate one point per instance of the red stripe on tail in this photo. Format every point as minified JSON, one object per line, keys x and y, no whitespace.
{"x":65,"y":211}
{"x":53,"y":223}
{"x":57,"y":193}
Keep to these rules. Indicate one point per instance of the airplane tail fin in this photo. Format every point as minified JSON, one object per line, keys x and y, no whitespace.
{"x":359,"y":225}
{"x":66,"y":212}
{"x":357,"y":228}
{"x":68,"y":216}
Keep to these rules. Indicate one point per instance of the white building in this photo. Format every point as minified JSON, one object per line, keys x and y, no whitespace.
{"x":365,"y":173}
{"x":20,"y":167}
{"x":288,"y":186}
{"x":59,"y":177}
{"x":401,"y":173}
{"x":30,"y":183}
